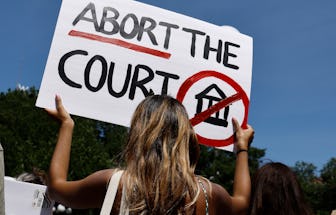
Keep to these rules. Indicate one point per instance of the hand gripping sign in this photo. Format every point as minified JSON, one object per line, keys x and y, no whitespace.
{"x":108,"y":55}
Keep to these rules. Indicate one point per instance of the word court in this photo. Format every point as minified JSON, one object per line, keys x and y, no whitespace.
{"x":136,"y":76}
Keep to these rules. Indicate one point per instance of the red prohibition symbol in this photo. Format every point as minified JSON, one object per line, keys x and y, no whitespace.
{"x":200,"y":117}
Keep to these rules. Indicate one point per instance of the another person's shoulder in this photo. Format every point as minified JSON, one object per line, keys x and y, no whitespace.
{"x":219,"y":198}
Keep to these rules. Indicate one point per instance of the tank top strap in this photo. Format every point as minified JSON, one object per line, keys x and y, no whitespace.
{"x":111,"y":193}
{"x":206,"y":196}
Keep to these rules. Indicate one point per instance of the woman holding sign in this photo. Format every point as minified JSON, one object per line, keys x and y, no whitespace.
{"x":161,"y":155}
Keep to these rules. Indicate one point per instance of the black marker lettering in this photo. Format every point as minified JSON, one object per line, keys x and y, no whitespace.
{"x":135,"y":29}
{"x":61,"y":64}
{"x":207,"y":49}
{"x":193,"y":39}
{"x":140,"y":83}
{"x":81,"y":16}
{"x":148,"y":29}
{"x":126,"y":83}
{"x":103,"y":75}
{"x":166,"y":76}
{"x":168,"y":32}
{"x":228,"y":54}
{"x":111,"y":19}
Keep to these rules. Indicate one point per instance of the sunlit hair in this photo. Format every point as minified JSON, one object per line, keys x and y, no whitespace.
{"x":37,"y":176}
{"x":276,"y":191}
{"x":161,"y":155}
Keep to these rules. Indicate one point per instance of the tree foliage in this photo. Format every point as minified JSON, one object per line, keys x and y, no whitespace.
{"x":28,"y":136}
{"x":319,"y":190}
{"x":219,"y":165}
{"x":305,"y":171}
{"x":328,"y":173}
{"x":26,"y":133}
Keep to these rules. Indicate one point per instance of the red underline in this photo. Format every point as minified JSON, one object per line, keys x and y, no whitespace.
{"x":121,"y":43}
{"x":200,"y":117}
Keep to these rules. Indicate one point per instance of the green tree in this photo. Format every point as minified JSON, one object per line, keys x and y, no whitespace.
{"x":219,"y":165}
{"x":319,"y":190}
{"x":26,"y":133}
{"x":28,"y":136}
{"x":328,"y":172}
{"x":305,"y":171}
{"x":328,"y":175}
{"x":113,"y":138}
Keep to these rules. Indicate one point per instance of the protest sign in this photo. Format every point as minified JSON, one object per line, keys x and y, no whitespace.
{"x":26,"y":198}
{"x":108,"y":55}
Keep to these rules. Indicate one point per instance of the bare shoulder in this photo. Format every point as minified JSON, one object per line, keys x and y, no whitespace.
{"x":100,"y":177}
{"x":105,"y":173}
{"x":220,"y":199}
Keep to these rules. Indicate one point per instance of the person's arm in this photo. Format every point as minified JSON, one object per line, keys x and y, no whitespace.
{"x":242,"y":180}
{"x":85,"y":193}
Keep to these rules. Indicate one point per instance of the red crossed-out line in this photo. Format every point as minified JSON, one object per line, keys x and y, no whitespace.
{"x":121,"y":43}
{"x":240,"y":94}
{"x":200,"y":117}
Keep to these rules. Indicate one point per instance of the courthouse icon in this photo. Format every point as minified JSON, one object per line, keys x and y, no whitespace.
{"x":206,"y":99}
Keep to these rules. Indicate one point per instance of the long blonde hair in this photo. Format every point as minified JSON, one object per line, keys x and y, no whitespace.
{"x":161,"y":156}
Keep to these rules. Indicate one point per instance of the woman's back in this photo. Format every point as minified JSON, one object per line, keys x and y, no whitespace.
{"x":160,"y":159}
{"x":206,"y":202}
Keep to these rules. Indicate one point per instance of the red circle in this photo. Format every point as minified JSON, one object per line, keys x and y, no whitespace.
{"x":209,"y":73}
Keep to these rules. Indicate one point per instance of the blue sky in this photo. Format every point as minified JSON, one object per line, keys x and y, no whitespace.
{"x":293,"y":98}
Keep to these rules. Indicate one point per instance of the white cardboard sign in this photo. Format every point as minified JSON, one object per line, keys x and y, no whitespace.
{"x":26,"y":198}
{"x":108,"y":55}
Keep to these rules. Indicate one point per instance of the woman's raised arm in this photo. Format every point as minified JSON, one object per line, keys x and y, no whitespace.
{"x":242,"y":180}
{"x":85,"y":193}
